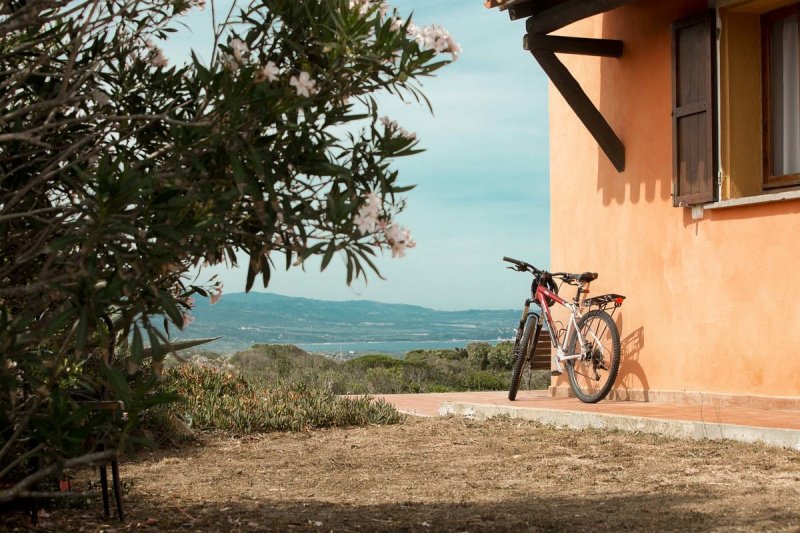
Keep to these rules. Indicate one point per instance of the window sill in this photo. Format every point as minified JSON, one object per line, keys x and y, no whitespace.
{"x":754,"y":200}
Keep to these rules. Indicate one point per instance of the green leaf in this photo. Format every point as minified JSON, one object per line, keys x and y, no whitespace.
{"x":155,"y":350}
{"x":176,"y":346}
{"x":171,"y":308}
{"x":82,"y":330}
{"x":328,"y":255}
{"x":251,"y":278}
{"x":117,"y":383}
{"x":265,"y":272}
{"x":137,"y":346}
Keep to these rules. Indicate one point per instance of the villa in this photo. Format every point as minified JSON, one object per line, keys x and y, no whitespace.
{"x":675,"y":174}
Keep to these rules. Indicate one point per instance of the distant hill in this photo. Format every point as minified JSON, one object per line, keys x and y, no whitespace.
{"x":246,"y":319}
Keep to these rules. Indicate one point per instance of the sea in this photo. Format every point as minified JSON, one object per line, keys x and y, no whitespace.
{"x":346,"y":329}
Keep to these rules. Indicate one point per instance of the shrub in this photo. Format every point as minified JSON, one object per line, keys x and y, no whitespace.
{"x":216,"y":399}
{"x":478,"y":355}
{"x":386,"y":380}
{"x":539,"y":380}
{"x":501,"y":356}
{"x":481,"y":380}
{"x":375,"y":361}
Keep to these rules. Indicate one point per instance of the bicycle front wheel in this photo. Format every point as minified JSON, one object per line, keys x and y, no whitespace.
{"x":521,"y":358}
{"x":592,"y":376}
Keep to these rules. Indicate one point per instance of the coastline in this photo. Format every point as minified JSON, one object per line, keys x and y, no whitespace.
{"x":396,"y":348}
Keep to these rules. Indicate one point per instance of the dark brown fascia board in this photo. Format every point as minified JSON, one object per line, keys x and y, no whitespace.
{"x":575,"y":96}
{"x":528,"y":8}
{"x":573,"y":45}
{"x":569,"y":11}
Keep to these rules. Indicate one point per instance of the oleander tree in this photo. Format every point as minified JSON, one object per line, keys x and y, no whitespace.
{"x":123,"y":171}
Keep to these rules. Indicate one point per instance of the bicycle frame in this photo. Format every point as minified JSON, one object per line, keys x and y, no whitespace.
{"x":541,"y":296}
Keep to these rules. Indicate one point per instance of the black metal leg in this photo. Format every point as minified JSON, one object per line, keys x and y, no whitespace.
{"x":37,"y":463}
{"x":34,"y":511}
{"x":104,"y":487}
{"x":117,"y":489}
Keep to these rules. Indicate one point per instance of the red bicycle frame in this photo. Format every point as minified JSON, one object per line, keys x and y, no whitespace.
{"x":542,"y":294}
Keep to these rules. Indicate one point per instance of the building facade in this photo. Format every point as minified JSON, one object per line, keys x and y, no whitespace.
{"x":695,"y":216}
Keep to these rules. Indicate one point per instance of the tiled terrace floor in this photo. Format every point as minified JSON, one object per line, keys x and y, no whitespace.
{"x":429,"y":405}
{"x":642,"y":416}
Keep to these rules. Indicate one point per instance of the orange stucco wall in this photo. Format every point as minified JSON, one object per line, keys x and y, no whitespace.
{"x":713,"y":305}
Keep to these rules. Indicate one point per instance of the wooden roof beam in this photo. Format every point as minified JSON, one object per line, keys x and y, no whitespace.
{"x":569,"y":11}
{"x":575,"y":96}
{"x":545,"y":16}
{"x":573,"y":45}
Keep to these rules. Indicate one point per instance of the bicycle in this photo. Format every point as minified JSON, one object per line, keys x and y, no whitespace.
{"x":589,"y":346}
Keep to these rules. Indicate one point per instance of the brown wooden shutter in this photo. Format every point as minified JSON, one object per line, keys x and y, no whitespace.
{"x":694,"y":109}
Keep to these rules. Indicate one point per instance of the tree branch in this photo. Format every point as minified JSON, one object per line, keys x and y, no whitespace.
{"x":15,"y":491}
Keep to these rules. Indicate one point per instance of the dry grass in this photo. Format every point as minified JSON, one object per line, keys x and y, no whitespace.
{"x":455,"y":475}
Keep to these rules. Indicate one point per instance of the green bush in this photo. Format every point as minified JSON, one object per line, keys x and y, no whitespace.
{"x":481,"y":380}
{"x":386,"y":380}
{"x":478,"y":355}
{"x":223,"y":400}
{"x":424,"y":355}
{"x":501,"y":356}
{"x":441,"y":388}
{"x":375,"y":361}
{"x":269,"y":366}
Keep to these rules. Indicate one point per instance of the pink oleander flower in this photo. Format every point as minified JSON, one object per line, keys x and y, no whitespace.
{"x":304,"y":85}
{"x":187,"y":320}
{"x":399,"y":238}
{"x":362,"y":5}
{"x":268,"y":72}
{"x":157,"y":57}
{"x":367,"y":217}
{"x":410,"y":243}
{"x":216,"y":296}
{"x":434,"y":38}
{"x":383,"y":8}
{"x":239,"y":50}
{"x":393,"y":125}
{"x":410,"y":135}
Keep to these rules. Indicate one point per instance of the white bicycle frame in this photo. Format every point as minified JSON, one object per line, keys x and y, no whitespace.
{"x":542,"y":295}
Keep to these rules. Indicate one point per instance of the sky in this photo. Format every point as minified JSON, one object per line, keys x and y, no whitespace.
{"x":482,"y":184}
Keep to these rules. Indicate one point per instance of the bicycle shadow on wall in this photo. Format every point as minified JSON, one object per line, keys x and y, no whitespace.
{"x":631,"y":383}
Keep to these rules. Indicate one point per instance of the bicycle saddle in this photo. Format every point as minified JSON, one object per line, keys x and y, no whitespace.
{"x":586,"y":277}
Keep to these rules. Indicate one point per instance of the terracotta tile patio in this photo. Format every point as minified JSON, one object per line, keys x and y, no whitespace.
{"x":657,"y":415}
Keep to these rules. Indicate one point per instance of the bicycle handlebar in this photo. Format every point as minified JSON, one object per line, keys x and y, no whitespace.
{"x":571,"y":279}
{"x":522,"y":265}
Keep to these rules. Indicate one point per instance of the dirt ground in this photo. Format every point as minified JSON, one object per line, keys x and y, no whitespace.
{"x":451,"y":474}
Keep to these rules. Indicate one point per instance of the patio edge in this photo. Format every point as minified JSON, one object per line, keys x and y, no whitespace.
{"x":698,"y":430}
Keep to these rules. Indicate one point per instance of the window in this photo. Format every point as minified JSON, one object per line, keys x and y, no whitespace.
{"x":737,"y":134}
{"x":781,"y":92}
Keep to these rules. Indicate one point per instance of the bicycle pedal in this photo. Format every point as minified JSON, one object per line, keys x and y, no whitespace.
{"x":555,"y":373}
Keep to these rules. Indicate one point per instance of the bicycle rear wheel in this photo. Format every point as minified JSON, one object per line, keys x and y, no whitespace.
{"x":521,"y":354}
{"x":592,"y":376}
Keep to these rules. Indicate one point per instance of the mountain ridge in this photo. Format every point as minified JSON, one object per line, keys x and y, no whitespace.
{"x":244,"y":319}
{"x":353,"y":301}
